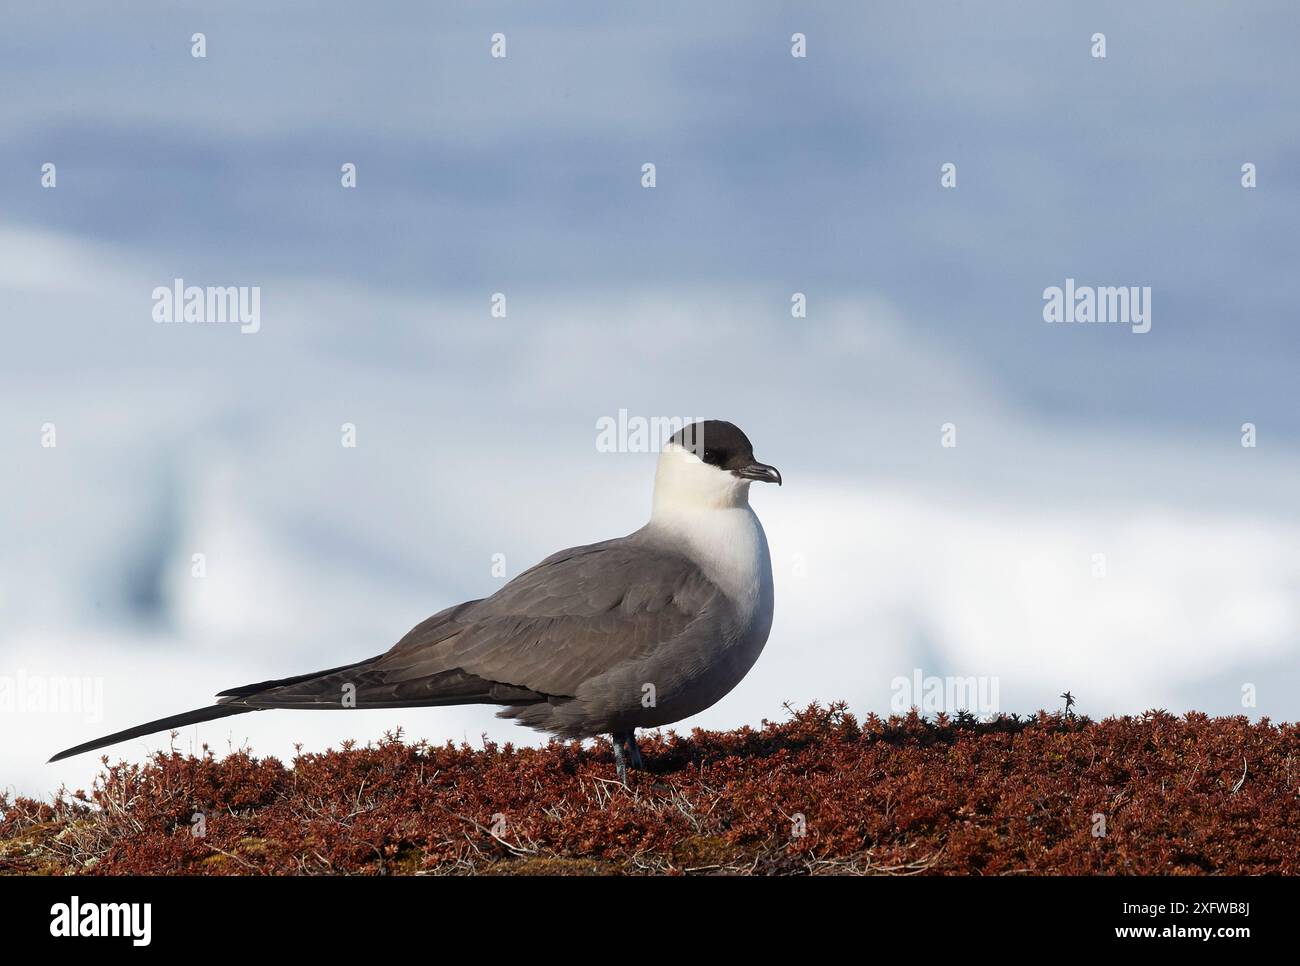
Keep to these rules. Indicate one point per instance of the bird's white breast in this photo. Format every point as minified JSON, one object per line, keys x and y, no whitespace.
{"x":730,"y":547}
{"x":704,"y":512}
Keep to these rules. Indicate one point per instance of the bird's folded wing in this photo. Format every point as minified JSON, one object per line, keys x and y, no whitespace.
{"x":575,"y":616}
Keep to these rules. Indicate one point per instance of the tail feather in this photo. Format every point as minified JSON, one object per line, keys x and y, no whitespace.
{"x":247,"y":689}
{"x":210,"y":713}
{"x":371,"y":686}
{"x":230,"y":703}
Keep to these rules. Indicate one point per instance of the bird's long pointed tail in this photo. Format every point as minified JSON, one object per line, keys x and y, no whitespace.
{"x":210,"y":713}
{"x":231,"y":703}
{"x":323,"y":690}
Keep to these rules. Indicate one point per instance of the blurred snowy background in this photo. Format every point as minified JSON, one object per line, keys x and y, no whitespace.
{"x":476,"y":436}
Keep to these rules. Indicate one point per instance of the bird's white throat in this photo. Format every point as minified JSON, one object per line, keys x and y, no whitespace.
{"x":707,"y":509}
{"x":683,"y":481}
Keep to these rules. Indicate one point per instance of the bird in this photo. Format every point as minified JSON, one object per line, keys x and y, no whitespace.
{"x":636,"y":632}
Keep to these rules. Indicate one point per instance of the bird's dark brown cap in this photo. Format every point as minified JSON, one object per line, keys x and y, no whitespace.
{"x":723,"y":444}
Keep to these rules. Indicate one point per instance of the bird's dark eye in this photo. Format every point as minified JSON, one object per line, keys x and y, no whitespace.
{"x":713,"y":456}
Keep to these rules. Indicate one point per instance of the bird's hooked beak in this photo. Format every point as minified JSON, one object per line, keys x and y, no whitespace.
{"x":760,"y":472}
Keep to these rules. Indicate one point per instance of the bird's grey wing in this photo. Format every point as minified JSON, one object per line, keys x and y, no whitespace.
{"x":577,"y":615}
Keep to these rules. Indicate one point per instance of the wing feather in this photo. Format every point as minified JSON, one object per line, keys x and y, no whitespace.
{"x":576,"y":615}
{"x":579,"y":614}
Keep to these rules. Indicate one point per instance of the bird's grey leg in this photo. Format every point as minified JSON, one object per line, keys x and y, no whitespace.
{"x":619,"y":763}
{"x":626,"y":752}
{"x":634,"y":753}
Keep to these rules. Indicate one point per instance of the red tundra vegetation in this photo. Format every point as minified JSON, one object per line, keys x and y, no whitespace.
{"x":819,"y":793}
